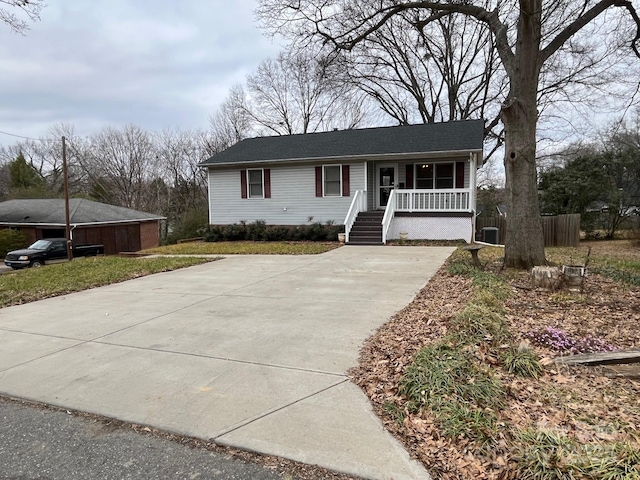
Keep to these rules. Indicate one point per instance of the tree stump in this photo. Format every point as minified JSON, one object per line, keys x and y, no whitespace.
{"x":547,"y":278}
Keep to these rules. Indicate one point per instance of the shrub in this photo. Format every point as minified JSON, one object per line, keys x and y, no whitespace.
{"x":260,"y":231}
{"x":235,"y":232}
{"x":257,"y":231}
{"x":11,"y":240}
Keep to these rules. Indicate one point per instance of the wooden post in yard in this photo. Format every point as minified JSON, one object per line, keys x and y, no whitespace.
{"x":66,"y":198}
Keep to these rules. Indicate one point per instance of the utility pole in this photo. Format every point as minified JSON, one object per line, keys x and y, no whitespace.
{"x":66,"y":198}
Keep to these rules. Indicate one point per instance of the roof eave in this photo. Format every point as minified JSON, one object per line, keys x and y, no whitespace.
{"x":384,"y":156}
{"x":80,"y":224}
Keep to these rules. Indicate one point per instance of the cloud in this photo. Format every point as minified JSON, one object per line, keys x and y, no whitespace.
{"x":153,"y":63}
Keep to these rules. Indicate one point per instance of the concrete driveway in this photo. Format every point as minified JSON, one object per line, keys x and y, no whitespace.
{"x":248,"y":351}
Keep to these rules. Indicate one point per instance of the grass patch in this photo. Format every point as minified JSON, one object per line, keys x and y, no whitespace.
{"x":622,"y":272}
{"x":613,"y":263}
{"x":479,"y":323}
{"x":447,"y":378}
{"x":394,"y":411}
{"x":245,"y":248}
{"x":459,"y":393}
{"x":547,"y":455}
{"x":52,"y":280}
{"x":522,"y":361}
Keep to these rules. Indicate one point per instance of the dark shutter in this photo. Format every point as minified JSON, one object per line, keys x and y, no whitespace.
{"x":460,"y":174}
{"x":409,"y":177}
{"x":345,"y":181}
{"x":318,"y":181}
{"x":243,"y":183}
{"x":267,"y":183}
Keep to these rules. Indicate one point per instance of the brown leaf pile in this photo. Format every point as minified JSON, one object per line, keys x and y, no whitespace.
{"x":580,"y":402}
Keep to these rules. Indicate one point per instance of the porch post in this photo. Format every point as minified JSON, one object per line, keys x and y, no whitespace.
{"x":472,"y":180}
{"x":472,"y":194}
{"x":366,"y":182}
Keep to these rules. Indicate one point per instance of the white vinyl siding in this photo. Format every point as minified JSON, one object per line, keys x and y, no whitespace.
{"x":293,"y":197}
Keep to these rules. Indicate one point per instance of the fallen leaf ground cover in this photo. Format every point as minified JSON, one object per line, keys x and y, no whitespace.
{"x":492,"y":421}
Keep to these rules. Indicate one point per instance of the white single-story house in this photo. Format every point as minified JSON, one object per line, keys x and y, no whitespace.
{"x":378,"y":182}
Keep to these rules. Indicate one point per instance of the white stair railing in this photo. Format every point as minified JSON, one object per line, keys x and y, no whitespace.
{"x":358,"y":204}
{"x":389,"y":213}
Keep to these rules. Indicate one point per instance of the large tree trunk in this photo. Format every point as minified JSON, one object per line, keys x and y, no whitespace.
{"x":524,"y":240}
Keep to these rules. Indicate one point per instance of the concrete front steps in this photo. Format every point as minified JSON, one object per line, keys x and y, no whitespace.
{"x":367,"y":229}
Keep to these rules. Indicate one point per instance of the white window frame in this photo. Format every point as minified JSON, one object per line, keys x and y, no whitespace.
{"x":324,"y":193}
{"x":261,"y":170}
{"x":416,"y":168}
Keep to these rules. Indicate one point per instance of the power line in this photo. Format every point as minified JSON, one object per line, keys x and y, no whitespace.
{"x":29,"y":138}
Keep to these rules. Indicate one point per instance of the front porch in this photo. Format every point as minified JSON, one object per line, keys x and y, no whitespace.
{"x":446,"y":213}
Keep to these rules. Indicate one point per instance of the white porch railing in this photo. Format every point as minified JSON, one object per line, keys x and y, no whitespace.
{"x":433,"y":200}
{"x":358,"y":204}
{"x":389,"y":212}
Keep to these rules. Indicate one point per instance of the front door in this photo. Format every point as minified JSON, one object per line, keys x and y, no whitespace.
{"x":386,"y":182}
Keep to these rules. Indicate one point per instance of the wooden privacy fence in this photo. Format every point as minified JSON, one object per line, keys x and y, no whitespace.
{"x":559,"y":231}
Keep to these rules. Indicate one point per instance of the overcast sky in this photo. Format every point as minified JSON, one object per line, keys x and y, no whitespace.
{"x":152,"y":63}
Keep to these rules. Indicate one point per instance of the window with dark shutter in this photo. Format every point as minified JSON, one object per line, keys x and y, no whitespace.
{"x":255,"y":180}
{"x":267,"y":183}
{"x":243,"y":183}
{"x":345,"y":181}
{"x":318,"y":181}
{"x":332,"y":180}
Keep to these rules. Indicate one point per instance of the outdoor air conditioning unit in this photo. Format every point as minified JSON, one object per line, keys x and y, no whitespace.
{"x":490,"y":235}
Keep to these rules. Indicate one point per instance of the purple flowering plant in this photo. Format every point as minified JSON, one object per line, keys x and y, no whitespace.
{"x":560,"y":341}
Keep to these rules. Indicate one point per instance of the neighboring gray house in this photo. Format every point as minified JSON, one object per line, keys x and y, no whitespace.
{"x":419,"y":179}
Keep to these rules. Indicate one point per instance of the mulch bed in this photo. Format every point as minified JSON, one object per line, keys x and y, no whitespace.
{"x":580,"y":402}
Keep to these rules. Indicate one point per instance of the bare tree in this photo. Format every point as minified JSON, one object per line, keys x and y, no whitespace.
{"x":231,"y":123}
{"x":447,"y":71}
{"x":29,"y":8}
{"x":179,"y":154}
{"x":295,"y":94}
{"x":120,"y":165}
{"x":528,"y":37}
{"x":45,"y":157}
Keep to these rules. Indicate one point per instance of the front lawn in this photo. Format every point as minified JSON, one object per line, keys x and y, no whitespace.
{"x":464,"y":375}
{"x":32,"y":284}
{"x":245,"y":248}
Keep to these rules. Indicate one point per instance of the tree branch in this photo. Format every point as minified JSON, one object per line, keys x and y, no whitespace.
{"x":584,"y":19}
{"x":491,"y":19}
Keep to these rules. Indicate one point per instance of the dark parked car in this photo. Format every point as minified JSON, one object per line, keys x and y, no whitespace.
{"x":48,"y":250}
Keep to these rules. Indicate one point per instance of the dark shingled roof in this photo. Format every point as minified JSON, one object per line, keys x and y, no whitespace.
{"x":434,"y":137}
{"x":81,"y":211}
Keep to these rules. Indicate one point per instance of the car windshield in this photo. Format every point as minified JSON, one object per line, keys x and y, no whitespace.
{"x":40,"y":245}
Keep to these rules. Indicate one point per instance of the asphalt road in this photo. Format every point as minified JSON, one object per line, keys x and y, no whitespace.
{"x":44,"y":444}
